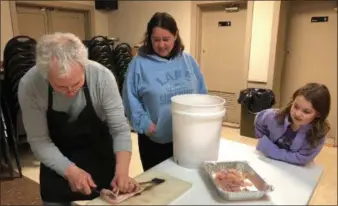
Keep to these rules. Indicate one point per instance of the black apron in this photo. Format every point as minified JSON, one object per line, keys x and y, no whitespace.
{"x":86,"y":142}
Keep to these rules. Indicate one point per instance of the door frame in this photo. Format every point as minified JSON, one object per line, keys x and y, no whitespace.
{"x":196,"y":31}
{"x":88,"y":9}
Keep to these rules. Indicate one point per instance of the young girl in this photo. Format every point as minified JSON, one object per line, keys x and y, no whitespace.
{"x":295,"y":134}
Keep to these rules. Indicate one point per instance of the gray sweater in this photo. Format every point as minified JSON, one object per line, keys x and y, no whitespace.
{"x":33,"y":99}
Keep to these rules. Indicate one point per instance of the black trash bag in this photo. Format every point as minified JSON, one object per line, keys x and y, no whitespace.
{"x":256,"y":99}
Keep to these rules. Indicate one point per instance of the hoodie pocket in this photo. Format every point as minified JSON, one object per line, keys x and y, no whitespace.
{"x":163,"y":125}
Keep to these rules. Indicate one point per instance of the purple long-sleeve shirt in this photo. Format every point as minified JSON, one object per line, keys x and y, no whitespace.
{"x":269,"y":132}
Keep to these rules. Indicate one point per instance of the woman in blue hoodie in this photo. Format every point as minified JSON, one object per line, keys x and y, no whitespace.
{"x":160,"y":71}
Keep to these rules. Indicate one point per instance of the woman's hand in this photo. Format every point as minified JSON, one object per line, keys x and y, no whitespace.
{"x":151,"y":130}
{"x":124,"y":184}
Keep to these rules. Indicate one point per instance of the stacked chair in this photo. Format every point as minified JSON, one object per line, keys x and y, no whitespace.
{"x":19,"y":57}
{"x":100,"y":49}
{"x":85,"y":42}
{"x":5,"y":148}
{"x":122,"y":57}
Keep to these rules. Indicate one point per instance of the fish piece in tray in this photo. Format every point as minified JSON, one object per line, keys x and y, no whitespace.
{"x":236,"y":180}
{"x":232,"y":180}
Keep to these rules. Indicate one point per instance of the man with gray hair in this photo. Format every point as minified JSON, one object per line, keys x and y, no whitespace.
{"x":75,"y":123}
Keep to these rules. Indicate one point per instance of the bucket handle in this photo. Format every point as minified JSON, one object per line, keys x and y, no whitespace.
{"x":207,"y":115}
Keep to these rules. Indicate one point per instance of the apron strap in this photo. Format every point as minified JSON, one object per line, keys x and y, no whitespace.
{"x":50,"y":97}
{"x":87,"y":94}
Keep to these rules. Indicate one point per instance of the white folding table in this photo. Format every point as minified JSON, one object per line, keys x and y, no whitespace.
{"x":293,"y":185}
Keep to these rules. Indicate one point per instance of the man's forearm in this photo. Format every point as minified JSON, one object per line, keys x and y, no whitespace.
{"x":122,"y":162}
{"x":46,"y":152}
{"x":122,"y":150}
{"x":119,"y":128}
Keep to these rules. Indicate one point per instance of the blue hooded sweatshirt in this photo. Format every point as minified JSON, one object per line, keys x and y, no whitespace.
{"x":150,"y":83}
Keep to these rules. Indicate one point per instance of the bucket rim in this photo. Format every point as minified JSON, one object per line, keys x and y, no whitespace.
{"x":222,"y":100}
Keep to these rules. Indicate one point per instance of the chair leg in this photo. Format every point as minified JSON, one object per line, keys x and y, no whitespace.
{"x":6,"y":147}
{"x":8,"y":157}
{"x":16,"y":152}
{"x":1,"y":156}
{"x":13,"y":133}
{"x":17,"y":160}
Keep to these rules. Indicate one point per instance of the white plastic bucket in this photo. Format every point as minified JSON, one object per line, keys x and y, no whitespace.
{"x":197,"y":126}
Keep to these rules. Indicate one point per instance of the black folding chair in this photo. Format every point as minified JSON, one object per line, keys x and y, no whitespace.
{"x":6,"y":138}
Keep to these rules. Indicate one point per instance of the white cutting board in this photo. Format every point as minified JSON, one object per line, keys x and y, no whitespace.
{"x":162,"y":194}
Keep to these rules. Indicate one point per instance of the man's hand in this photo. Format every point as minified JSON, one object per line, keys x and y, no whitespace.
{"x":151,"y":130}
{"x":124,"y":184}
{"x":79,"y":180}
{"x":122,"y":181}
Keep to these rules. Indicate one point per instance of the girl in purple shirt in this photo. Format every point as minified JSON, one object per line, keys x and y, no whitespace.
{"x":296,"y":133}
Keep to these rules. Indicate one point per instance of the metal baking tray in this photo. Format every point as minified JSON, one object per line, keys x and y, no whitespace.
{"x":259,"y":189}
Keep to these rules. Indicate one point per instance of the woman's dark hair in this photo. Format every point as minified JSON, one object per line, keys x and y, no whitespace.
{"x":167,"y":22}
{"x":319,"y":96}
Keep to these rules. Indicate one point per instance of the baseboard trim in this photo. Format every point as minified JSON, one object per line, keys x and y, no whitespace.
{"x":231,"y":125}
{"x":330,"y":142}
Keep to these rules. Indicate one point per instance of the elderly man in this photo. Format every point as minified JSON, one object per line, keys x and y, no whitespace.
{"x":75,"y":123}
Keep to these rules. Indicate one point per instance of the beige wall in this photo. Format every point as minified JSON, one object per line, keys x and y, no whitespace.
{"x":130,"y":21}
{"x":100,"y":21}
{"x":260,"y":41}
{"x":6,"y":25}
{"x":128,"y":24}
{"x":101,"y":18}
